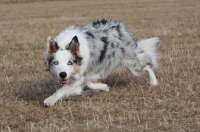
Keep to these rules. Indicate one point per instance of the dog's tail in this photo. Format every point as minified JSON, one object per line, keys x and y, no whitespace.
{"x":148,"y":46}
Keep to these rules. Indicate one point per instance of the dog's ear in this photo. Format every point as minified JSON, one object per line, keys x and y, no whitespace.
{"x":74,"y":45}
{"x":51,"y":46}
{"x":74,"y":48}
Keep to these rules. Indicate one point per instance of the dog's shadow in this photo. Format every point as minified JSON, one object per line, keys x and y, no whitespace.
{"x":118,"y":81}
{"x":38,"y":91}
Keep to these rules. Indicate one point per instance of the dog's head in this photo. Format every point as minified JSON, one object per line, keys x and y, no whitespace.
{"x":63,"y":62}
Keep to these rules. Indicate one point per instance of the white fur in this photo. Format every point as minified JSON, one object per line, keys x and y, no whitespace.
{"x":66,"y":91}
{"x":149,"y":46}
{"x":98,"y":86}
{"x":103,"y":45}
{"x":153,"y":80}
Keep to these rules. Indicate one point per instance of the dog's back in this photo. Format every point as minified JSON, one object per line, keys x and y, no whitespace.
{"x":110,"y":44}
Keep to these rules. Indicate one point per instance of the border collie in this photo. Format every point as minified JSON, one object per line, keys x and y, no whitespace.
{"x":80,"y":57}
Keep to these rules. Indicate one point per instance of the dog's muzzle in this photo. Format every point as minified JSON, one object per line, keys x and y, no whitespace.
{"x":63,"y":79}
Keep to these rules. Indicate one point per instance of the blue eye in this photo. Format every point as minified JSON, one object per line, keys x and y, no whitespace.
{"x":55,"y":62}
{"x":69,"y":63}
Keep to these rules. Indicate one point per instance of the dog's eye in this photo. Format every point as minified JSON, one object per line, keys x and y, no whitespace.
{"x":69,"y":63}
{"x":55,"y":62}
{"x":74,"y":61}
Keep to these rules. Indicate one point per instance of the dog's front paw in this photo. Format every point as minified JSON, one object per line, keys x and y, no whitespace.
{"x":50,"y":101}
{"x":107,"y":89}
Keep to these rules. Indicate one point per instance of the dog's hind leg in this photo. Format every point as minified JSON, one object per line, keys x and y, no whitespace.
{"x":133,"y":66}
{"x":148,"y":57}
{"x":145,"y":58}
{"x":153,"y":80}
{"x":136,"y":68}
{"x":98,"y":86}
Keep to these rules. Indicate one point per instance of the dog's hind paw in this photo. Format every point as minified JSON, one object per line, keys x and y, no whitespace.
{"x":104,"y":87}
{"x":154,"y":82}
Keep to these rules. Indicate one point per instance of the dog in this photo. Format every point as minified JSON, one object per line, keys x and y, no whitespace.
{"x":80,"y":57}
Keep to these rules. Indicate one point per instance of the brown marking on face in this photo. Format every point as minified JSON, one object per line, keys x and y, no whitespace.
{"x":77,"y":68}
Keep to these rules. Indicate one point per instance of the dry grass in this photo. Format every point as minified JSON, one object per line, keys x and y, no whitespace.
{"x":131,"y":105}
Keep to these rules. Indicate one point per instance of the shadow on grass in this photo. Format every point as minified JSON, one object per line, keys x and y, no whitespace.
{"x":116,"y":82}
{"x":36,"y":91}
{"x":39,"y":90}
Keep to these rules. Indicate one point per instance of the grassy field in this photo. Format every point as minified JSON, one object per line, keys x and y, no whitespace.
{"x":131,"y":105}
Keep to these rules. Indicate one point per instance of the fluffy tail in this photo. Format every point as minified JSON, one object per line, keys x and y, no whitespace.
{"x":148,"y":46}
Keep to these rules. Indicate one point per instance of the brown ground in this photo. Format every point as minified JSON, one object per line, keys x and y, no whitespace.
{"x":131,"y":105}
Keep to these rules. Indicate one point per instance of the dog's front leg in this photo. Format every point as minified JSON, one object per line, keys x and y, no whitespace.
{"x":65,"y":91}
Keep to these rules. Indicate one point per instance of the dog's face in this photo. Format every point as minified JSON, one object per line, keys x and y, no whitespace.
{"x":63,"y":63}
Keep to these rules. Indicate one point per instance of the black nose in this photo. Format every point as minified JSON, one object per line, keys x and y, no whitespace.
{"x":63,"y":74}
